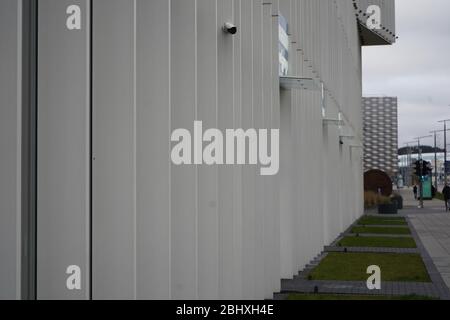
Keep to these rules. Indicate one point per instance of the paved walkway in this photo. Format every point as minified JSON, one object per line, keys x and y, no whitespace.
{"x":432,"y":225}
{"x":434,"y":232}
{"x":411,"y":205}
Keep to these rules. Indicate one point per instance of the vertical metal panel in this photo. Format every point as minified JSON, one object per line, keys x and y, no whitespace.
{"x":258,"y":124}
{"x":302,"y":27}
{"x":294,"y":63}
{"x":114,"y":150}
{"x":29,"y":148}
{"x":275,"y":123}
{"x":63,"y":155}
{"x":238,"y":169}
{"x":248,"y":181}
{"x":184,"y":178}
{"x":327,"y":205}
{"x":287,"y":227}
{"x":317,"y":176}
{"x":225,"y":121}
{"x":10,"y":144}
{"x":208,"y":31}
{"x":153,"y":150}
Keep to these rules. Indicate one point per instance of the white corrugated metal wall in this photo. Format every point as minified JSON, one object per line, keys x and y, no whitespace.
{"x":10,"y":146}
{"x":182,"y":232}
{"x":214,"y":232}
{"x":187,"y":232}
{"x":325,"y":46}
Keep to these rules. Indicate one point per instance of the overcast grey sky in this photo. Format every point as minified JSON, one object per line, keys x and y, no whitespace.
{"x":416,"y":69}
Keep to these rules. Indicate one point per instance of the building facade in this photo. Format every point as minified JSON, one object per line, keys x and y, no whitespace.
{"x":381,"y":134}
{"x":91,"y":91}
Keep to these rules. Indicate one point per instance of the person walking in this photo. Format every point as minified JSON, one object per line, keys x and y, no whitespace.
{"x":415,"y":189}
{"x":446,"y":194}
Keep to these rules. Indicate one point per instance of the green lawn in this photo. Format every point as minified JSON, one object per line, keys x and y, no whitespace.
{"x":382,"y":221}
{"x":380,"y":242}
{"x":328,"y":297}
{"x":353,"y":267}
{"x":439,"y":196}
{"x":381,"y":230}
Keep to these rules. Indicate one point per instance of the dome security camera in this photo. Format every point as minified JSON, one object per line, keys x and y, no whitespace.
{"x":230,"y":28}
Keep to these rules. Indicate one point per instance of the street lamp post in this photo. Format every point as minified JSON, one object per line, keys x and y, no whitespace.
{"x":435,"y":162}
{"x":409,"y":163}
{"x":445,"y":149}
{"x":421,"y":206}
{"x":420,"y":178}
{"x":435,"y":155}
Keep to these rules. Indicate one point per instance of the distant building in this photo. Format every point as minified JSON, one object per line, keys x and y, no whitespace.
{"x":380,"y":121}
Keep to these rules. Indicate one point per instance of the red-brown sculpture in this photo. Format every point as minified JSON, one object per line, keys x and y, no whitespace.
{"x":378,"y":181}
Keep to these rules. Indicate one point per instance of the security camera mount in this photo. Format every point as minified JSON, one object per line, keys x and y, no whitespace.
{"x":230,"y":28}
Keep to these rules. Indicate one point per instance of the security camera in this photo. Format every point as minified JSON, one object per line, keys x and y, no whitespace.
{"x":230,"y":28}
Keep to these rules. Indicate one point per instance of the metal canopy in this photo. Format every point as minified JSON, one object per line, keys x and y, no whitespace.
{"x":289,"y":83}
{"x":333,"y":122}
{"x":373,"y":37}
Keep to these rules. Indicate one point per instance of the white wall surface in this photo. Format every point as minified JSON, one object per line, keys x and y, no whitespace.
{"x":161,"y":231}
{"x":63,"y":164}
{"x":10,"y":146}
{"x":188,"y":232}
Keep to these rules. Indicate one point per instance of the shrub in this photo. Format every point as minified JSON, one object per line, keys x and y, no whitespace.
{"x":439,"y":196}
{"x":372,"y":199}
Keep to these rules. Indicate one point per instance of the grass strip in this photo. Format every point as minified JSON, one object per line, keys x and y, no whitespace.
{"x":353,"y":267}
{"x":367,"y":221}
{"x":377,"y":242}
{"x":381,"y":230}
